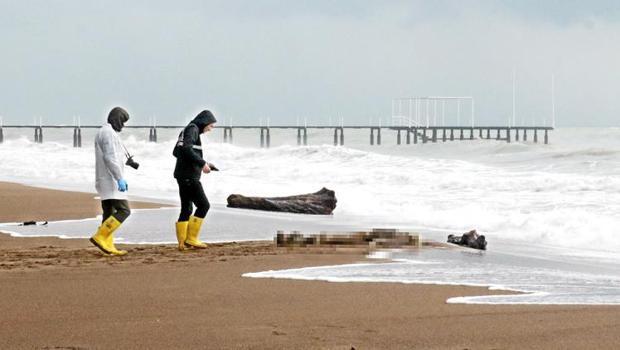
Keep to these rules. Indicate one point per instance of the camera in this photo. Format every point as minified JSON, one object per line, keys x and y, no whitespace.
{"x":132,"y":163}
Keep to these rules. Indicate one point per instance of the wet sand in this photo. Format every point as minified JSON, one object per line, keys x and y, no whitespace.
{"x":23,"y":203}
{"x":63,"y":294}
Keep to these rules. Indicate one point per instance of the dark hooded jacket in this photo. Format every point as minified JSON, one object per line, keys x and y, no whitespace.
{"x":188,"y":149}
{"x":117,"y":118}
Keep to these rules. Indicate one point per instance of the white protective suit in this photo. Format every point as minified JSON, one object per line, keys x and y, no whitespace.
{"x":110,"y":163}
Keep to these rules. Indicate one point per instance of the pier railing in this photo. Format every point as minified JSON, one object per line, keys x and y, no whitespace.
{"x":412,"y":134}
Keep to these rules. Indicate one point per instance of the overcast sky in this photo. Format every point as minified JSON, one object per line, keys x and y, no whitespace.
{"x":318,"y":60}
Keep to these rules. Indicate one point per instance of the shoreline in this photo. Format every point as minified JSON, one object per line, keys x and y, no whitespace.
{"x":64,"y":293}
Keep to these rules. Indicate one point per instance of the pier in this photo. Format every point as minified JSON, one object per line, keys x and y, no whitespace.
{"x":424,"y":119}
{"x":412,"y":134}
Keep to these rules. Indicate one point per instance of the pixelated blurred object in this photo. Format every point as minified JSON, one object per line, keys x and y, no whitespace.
{"x":377,"y":238}
{"x":470,"y":239}
{"x":322,"y":202}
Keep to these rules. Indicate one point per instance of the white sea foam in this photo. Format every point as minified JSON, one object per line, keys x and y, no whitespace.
{"x":566,"y":193}
{"x":549,"y":212}
{"x":535,"y":280}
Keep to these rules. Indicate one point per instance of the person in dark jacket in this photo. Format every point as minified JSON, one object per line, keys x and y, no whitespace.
{"x":189,"y":167}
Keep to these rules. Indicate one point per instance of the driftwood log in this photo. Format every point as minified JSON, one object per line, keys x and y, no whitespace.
{"x":470,"y":239}
{"x":322,"y":202}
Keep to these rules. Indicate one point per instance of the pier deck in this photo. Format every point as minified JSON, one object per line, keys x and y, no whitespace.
{"x":412,"y":134}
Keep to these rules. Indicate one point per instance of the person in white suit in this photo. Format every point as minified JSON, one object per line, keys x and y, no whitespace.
{"x":110,"y":182}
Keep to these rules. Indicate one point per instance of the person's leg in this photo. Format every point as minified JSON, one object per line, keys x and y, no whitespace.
{"x":200,"y":200}
{"x":117,"y":207}
{"x":185,"y":195}
{"x":108,"y":209}
{"x":121,"y":212}
{"x":114,"y":213}
{"x":195,"y":222}
{"x":121,"y":209}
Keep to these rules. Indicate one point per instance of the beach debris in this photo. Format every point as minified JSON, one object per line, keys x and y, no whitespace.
{"x":470,"y":239}
{"x":32,"y":223}
{"x":322,"y":202}
{"x":376,"y":238}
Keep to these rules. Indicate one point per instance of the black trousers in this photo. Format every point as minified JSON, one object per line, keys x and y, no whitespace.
{"x":191,"y":192}
{"x":119,"y":208}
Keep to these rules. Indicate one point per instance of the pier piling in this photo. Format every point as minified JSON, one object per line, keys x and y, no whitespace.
{"x":339,"y":139}
{"x":265,"y":137}
{"x":77,"y":137}
{"x":38,"y":134}
{"x":546,"y":138}
{"x":535,"y":136}
{"x":228,"y":136}
{"x":372,"y":135}
{"x":153,"y":134}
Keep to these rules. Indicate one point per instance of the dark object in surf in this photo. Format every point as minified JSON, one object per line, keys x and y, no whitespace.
{"x":31,"y":223}
{"x":322,"y":202}
{"x":470,"y":239}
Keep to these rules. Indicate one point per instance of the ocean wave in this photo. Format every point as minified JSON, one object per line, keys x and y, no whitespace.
{"x":531,"y":192}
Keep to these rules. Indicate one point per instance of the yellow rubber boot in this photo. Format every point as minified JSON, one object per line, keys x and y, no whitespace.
{"x":109,"y":240}
{"x":193,"y":231}
{"x":104,"y":238}
{"x":182,"y":233}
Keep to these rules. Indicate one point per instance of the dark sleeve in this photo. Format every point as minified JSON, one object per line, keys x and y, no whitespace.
{"x":190,"y":136}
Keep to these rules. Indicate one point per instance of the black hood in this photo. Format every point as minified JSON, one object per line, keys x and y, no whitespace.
{"x":117,"y":118}
{"x":203,"y":119}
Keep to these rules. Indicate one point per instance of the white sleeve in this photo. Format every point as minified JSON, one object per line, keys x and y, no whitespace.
{"x":108,"y":149}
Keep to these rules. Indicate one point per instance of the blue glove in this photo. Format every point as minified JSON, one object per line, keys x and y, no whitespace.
{"x":122,"y":185}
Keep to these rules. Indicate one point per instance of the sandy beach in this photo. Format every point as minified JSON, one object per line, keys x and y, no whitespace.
{"x":63,"y":294}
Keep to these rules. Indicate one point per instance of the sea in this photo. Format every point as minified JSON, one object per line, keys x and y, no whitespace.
{"x":550,"y":213}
